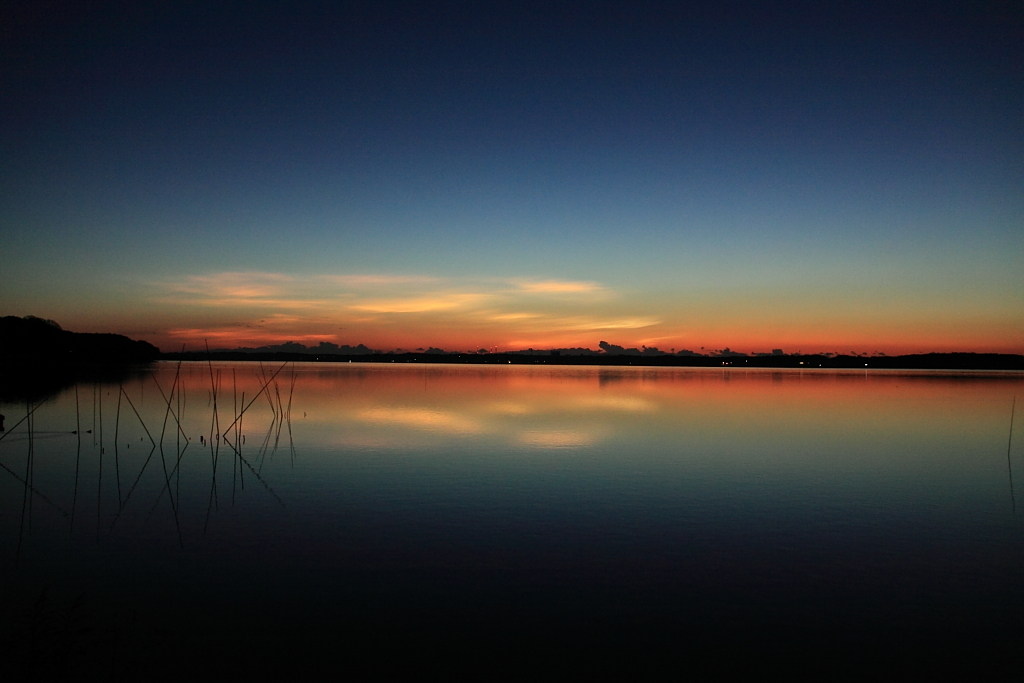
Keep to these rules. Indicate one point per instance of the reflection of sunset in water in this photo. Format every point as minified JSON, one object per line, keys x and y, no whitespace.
{"x":657,"y":491}
{"x":418,"y":418}
{"x":784,"y":416}
{"x":558,"y":439}
{"x":791,"y":414}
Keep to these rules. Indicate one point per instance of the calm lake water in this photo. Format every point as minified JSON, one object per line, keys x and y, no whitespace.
{"x":447,"y":515}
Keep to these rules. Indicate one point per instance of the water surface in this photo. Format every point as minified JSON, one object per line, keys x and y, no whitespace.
{"x":729,"y":517}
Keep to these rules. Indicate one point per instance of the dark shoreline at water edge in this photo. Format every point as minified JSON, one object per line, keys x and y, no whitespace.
{"x":39,"y":358}
{"x":928,"y":361}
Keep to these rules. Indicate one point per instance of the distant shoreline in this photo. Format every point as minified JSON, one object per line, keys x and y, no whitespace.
{"x":929,"y":361}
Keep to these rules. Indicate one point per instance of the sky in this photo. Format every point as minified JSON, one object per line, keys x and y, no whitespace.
{"x":840,"y":177}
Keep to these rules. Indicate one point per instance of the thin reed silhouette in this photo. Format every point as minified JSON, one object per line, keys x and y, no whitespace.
{"x":99,"y":477}
{"x":1009,"y":443}
{"x":117,"y":427}
{"x":25,"y":496}
{"x":78,"y":457}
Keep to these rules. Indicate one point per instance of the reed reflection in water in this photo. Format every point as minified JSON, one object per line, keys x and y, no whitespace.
{"x":605,"y":510}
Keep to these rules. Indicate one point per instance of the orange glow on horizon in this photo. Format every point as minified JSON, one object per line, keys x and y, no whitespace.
{"x":452,"y":340}
{"x":400,"y":311}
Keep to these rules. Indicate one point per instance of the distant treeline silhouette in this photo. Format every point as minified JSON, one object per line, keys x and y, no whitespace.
{"x":928,"y":361}
{"x":613,"y":354}
{"x":35,"y":338}
{"x":295,"y":347}
{"x":604,"y":349}
{"x":38,"y":357}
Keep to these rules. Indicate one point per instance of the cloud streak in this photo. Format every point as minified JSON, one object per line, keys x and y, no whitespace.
{"x":423,"y":304}
{"x":417,"y":292}
{"x":369,"y":307}
{"x":560,"y":287}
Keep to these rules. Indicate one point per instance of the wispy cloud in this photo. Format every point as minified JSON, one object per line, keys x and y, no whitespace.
{"x":228,"y":285}
{"x":609,"y":323}
{"x":379,"y":293}
{"x":323,"y":303}
{"x":269,"y":329}
{"x":559,"y":287}
{"x":512,"y":317}
{"x":249,"y":289}
{"x":581,"y":323}
{"x":420,"y":304}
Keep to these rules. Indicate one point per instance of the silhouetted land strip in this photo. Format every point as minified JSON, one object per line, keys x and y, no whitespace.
{"x":928,"y":361}
{"x":38,"y":358}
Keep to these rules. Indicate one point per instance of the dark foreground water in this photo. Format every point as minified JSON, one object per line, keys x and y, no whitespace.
{"x":505,"y":519}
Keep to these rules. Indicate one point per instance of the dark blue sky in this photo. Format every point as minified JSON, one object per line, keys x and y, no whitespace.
{"x":707,"y":173}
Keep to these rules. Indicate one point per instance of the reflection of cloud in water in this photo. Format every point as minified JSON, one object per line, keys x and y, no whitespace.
{"x":420,"y":418}
{"x":629,"y":404}
{"x":576,"y":404}
{"x":510,"y":408}
{"x":557,"y":439}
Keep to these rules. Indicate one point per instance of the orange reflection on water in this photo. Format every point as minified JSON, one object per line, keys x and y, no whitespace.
{"x":564,"y":407}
